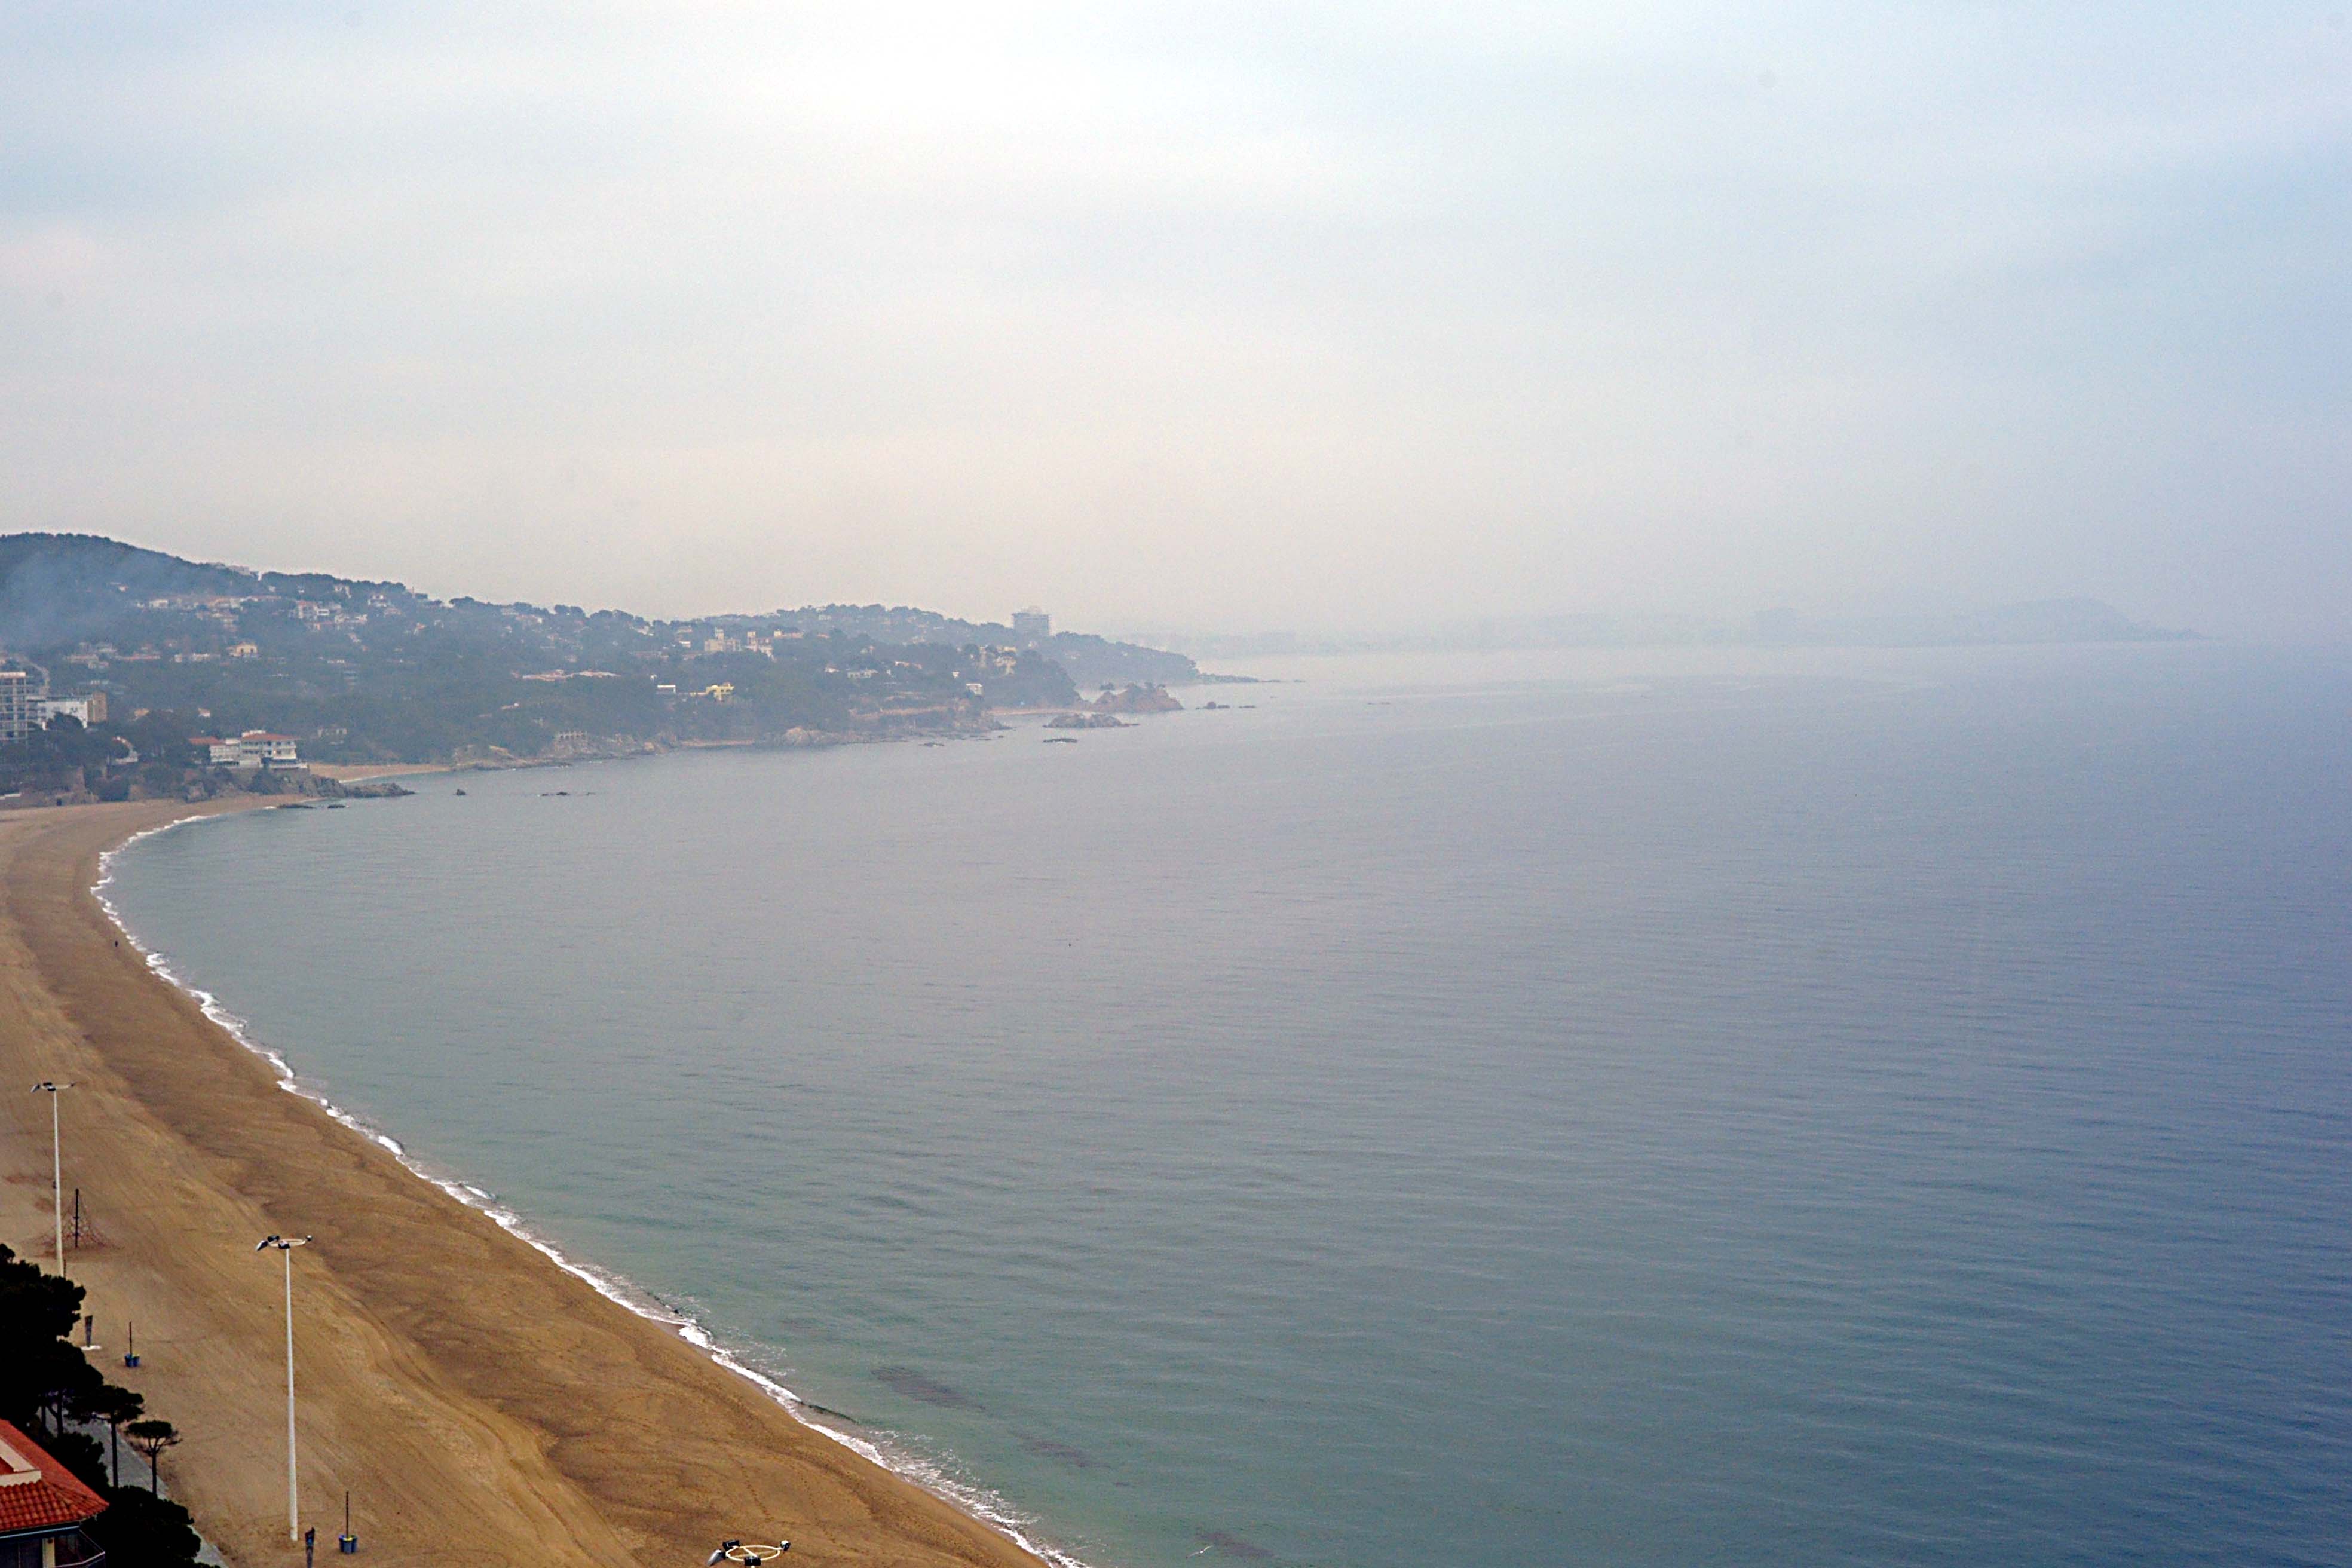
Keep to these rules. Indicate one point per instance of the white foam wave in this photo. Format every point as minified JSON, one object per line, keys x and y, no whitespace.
{"x":988,"y":1507}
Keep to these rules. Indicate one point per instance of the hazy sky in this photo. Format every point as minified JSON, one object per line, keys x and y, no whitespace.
{"x":1225,"y":317}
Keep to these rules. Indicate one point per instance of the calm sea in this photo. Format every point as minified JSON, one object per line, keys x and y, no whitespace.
{"x":1655,"y":1108}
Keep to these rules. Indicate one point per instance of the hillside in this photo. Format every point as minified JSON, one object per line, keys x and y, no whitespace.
{"x":365,"y":671}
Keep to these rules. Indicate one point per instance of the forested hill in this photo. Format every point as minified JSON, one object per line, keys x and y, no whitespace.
{"x":1091,"y":661}
{"x":373,"y":671}
{"x":60,"y":588}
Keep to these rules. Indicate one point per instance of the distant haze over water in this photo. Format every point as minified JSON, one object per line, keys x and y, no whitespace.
{"x":1633,"y":1107}
{"x":2040,"y":620}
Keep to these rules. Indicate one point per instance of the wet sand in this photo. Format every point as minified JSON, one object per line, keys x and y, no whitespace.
{"x":480,"y":1404}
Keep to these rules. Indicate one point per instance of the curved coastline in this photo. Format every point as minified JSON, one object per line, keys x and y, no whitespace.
{"x":866,"y":1519}
{"x":988,"y":1507}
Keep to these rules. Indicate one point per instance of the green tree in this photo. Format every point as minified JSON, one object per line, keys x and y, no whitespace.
{"x":118,"y":1407}
{"x":45,"y":1381}
{"x":140,"y":1529}
{"x":151,"y":1438}
{"x":35,"y":1304}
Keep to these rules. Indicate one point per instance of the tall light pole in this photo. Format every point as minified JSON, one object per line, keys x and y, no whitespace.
{"x":286,"y":1245}
{"x":56,"y":1166}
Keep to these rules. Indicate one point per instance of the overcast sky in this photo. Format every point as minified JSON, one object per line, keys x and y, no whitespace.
{"x":1235,"y":317}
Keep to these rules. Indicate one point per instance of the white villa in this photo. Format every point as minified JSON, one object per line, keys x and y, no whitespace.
{"x":253,"y":748}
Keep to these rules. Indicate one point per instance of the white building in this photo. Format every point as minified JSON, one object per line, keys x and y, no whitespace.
{"x":269,"y":751}
{"x":253,"y":748}
{"x":89,"y":710}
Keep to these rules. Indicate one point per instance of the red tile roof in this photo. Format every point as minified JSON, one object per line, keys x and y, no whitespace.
{"x":35,"y":1491}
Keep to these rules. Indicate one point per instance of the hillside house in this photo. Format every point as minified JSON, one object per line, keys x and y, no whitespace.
{"x":253,"y":748}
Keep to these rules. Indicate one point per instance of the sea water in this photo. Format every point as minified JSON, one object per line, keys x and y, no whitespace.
{"x":1613,"y":1109}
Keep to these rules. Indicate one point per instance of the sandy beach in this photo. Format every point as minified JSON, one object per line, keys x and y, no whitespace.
{"x":361,"y":772}
{"x":480,"y":1404}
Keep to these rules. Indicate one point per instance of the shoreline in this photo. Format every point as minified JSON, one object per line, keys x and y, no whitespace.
{"x":622,"y":1292}
{"x":546,"y":1451}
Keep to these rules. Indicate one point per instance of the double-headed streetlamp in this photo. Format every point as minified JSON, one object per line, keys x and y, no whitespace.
{"x":56,"y":1166}
{"x":286,"y":1245}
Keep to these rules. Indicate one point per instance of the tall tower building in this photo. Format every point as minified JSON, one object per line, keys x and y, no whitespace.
{"x":20,"y":704}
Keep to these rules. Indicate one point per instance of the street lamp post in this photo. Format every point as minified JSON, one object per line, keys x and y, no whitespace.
{"x":286,"y":1246}
{"x":56,"y":1166}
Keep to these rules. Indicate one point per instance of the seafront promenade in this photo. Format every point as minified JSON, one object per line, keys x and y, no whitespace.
{"x":481,"y":1404}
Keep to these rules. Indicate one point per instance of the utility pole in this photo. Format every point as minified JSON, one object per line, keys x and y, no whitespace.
{"x":56,"y":1167}
{"x":286,"y":1246}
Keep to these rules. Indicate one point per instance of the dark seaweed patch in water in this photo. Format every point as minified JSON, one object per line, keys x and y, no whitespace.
{"x":829,"y":1410}
{"x":1046,"y":1448}
{"x":913,"y":1384}
{"x":1234,"y":1546}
